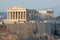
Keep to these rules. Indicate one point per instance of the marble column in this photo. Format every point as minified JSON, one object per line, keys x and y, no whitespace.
{"x":20,"y":15}
{"x":15,"y":15}
{"x":12,"y":15}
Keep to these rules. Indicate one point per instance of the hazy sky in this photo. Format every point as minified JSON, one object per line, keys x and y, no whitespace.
{"x":33,"y":4}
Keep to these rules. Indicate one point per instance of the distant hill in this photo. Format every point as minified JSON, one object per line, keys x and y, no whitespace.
{"x":3,"y":15}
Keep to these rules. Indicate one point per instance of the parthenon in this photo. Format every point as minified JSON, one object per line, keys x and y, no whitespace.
{"x":15,"y":14}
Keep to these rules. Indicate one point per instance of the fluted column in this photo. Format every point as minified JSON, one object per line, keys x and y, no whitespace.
{"x":12,"y":15}
{"x":20,"y":15}
{"x":15,"y":15}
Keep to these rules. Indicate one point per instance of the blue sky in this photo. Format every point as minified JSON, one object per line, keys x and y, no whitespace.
{"x":32,"y":4}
